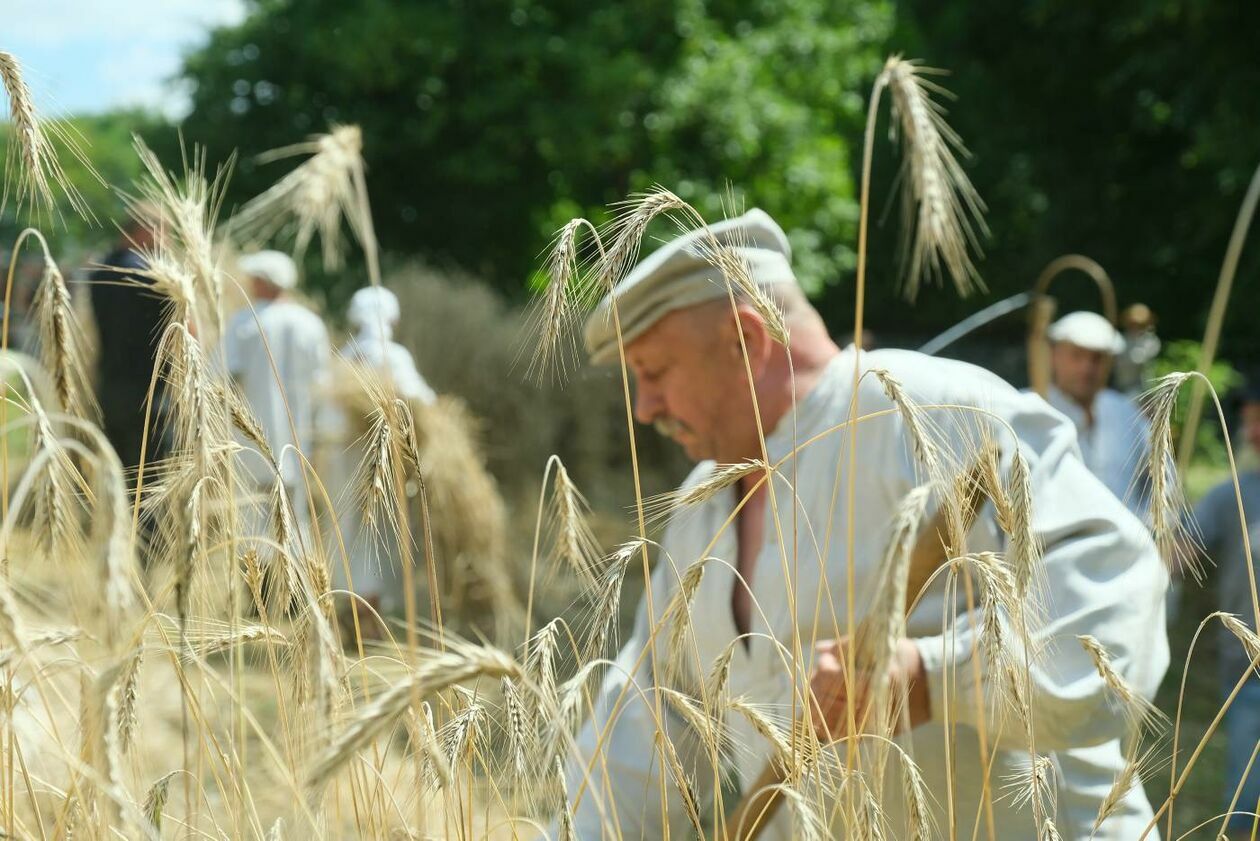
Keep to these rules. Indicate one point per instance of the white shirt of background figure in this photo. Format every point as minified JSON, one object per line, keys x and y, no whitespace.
{"x":279,"y":353}
{"x":1113,"y":432}
{"x":374,"y":313}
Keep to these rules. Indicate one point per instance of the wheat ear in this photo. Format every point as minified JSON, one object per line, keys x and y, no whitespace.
{"x":463,"y":663}
{"x":942,"y":212}
{"x":32,"y":155}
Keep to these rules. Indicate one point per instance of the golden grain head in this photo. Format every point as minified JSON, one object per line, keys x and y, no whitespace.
{"x":314,"y":199}
{"x":942,"y":214}
{"x":33,"y":172}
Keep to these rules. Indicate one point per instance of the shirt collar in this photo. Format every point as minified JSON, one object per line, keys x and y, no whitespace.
{"x":1065,"y":404}
{"x":811,"y":409}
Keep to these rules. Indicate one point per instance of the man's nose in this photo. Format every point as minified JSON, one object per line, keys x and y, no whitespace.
{"x":647,"y":404}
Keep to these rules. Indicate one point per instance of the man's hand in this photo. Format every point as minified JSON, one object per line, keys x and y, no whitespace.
{"x":833,"y":692}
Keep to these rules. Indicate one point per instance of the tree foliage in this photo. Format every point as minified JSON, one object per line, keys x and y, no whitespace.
{"x":106,"y":140}
{"x":1126,"y":132}
{"x":487,"y":126}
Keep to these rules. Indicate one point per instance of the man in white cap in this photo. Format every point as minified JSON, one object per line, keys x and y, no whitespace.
{"x":278,"y":352}
{"x":374,"y":555}
{"x":1114,"y":434}
{"x":776,"y":574}
{"x":374,"y":313}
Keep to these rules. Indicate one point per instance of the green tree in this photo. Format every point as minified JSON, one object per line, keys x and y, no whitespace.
{"x":488,"y":125}
{"x":106,"y":140}
{"x":1127,"y":132}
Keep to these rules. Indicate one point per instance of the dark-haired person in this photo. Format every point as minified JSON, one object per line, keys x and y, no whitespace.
{"x":129,"y":319}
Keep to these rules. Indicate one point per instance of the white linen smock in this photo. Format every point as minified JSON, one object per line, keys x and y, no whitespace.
{"x":374,"y":346}
{"x":279,"y":354}
{"x":1102,"y":576}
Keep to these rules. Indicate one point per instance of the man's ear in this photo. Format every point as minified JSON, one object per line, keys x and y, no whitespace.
{"x":756,"y":338}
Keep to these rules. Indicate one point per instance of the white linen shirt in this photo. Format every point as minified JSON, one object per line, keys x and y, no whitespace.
{"x":1115,"y":445}
{"x":375,"y":347}
{"x":284,"y":398}
{"x":1102,"y":577}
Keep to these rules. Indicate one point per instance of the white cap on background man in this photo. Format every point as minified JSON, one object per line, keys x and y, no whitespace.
{"x":1087,"y":330}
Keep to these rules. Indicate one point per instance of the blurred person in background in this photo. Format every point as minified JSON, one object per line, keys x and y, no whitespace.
{"x":1141,"y":346}
{"x":23,"y":329}
{"x":1217,"y":535}
{"x":374,"y":313}
{"x":279,"y":353}
{"x":1111,"y":428}
{"x":374,"y":555}
{"x":129,"y":319}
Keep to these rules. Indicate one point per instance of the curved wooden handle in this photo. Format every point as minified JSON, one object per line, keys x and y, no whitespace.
{"x":1043,"y":310}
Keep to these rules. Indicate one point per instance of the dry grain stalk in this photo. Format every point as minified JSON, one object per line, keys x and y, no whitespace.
{"x":942,"y":214}
{"x":314,"y":198}
{"x":32,"y":170}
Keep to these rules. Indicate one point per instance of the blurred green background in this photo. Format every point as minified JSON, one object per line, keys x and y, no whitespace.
{"x":1126,"y":131}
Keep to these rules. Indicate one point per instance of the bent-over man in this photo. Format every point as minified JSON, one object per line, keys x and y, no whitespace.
{"x":1102,"y":576}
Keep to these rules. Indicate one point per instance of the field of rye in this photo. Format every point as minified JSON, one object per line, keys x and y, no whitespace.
{"x":175,"y":660}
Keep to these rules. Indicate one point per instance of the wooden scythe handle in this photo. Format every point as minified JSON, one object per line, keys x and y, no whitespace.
{"x":1043,"y":310}
{"x":755,"y":810}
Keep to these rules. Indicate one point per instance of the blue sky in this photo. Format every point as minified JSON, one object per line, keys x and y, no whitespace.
{"x":86,"y":56}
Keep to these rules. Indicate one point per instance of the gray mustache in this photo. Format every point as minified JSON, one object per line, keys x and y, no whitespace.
{"x":669,"y":427}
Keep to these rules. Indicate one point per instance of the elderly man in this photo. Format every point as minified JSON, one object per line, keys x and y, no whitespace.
{"x":782,"y":569}
{"x":1113,"y":433}
{"x":278,"y":352}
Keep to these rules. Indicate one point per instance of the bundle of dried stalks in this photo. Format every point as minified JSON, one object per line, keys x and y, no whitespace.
{"x":314,"y":197}
{"x":467,"y":516}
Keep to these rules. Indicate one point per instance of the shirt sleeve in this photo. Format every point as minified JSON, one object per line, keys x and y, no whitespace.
{"x":232,"y":353}
{"x":1100,"y":574}
{"x":1139,"y":464}
{"x":323,"y":412}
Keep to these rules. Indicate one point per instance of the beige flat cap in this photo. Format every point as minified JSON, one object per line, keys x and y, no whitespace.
{"x":679,"y":275}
